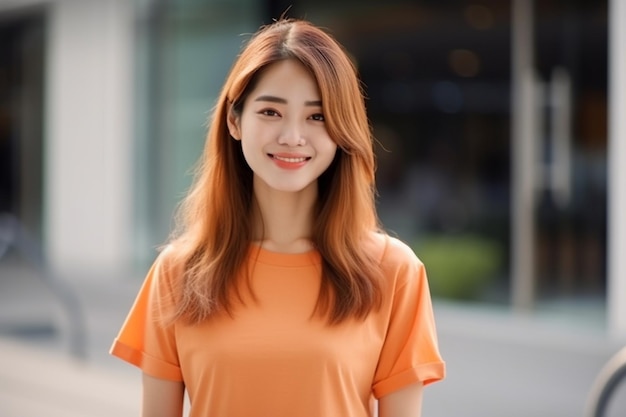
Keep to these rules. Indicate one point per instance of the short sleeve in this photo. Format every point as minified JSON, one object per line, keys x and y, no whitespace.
{"x":410,"y":352}
{"x":145,"y":340}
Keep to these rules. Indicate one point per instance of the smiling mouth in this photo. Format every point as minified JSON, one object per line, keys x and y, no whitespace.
{"x":291,"y":160}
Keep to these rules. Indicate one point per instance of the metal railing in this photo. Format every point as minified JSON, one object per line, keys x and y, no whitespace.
{"x":611,"y":376}
{"x":14,"y":235}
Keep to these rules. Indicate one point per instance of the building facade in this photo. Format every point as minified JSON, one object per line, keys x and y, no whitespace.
{"x":497,"y":136}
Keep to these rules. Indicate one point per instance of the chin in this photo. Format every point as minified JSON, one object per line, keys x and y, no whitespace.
{"x":291,"y":188}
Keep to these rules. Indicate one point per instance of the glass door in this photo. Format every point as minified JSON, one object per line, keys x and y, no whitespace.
{"x":571,"y":61}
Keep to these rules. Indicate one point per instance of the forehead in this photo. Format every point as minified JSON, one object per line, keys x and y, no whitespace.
{"x":287,"y":77}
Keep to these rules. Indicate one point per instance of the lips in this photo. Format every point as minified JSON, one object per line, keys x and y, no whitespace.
{"x":292,"y":160}
{"x":289,"y":161}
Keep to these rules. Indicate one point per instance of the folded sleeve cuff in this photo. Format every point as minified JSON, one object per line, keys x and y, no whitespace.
{"x":426,"y":373}
{"x":148,"y":364}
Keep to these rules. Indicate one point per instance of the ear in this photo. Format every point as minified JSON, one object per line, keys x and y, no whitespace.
{"x":233,"y":124}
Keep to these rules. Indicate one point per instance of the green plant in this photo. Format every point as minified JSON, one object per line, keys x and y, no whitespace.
{"x":459,"y":267}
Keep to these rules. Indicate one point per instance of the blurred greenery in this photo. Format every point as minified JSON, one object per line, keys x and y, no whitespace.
{"x":459,"y":267}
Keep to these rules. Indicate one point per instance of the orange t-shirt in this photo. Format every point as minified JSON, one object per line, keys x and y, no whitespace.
{"x":273,"y":359}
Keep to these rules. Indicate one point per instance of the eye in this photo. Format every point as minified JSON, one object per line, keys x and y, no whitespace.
{"x":319,"y":117}
{"x":269,"y":112}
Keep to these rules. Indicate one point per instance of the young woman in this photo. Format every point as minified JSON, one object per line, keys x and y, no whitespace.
{"x":280,"y":296}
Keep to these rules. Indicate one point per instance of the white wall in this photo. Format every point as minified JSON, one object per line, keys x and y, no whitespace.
{"x":617,"y":171}
{"x":88,"y":143}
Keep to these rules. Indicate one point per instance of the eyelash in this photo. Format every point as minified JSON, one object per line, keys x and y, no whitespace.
{"x":318,"y":117}
{"x":269,"y":112}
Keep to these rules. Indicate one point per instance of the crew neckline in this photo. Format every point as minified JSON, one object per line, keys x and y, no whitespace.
{"x":260,"y":254}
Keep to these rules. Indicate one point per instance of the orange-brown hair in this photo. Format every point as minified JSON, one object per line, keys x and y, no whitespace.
{"x":215,"y":218}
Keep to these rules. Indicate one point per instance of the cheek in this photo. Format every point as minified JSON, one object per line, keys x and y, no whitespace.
{"x":257,"y":131}
{"x":329,"y":152}
{"x":250,"y":150}
{"x":329,"y":147}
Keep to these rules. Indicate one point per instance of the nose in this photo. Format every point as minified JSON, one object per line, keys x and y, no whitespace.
{"x":292,"y":134}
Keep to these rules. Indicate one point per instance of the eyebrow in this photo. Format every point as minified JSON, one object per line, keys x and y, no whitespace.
{"x":274,"y":99}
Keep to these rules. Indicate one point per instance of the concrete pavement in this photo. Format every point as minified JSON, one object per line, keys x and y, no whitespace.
{"x":39,"y":383}
{"x":39,"y":376}
{"x":503,"y":365}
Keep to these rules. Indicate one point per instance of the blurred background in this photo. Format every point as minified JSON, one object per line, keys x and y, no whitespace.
{"x":499,"y":156}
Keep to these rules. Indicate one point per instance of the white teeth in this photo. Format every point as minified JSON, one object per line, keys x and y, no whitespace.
{"x":291,"y":160}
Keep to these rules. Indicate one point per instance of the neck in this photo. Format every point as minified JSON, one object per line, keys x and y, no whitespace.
{"x":284,"y":220}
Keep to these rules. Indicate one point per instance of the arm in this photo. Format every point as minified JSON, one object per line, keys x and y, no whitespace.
{"x":162,"y":398}
{"x":406,"y":402}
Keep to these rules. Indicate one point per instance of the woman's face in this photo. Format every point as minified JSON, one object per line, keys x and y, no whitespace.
{"x":282,"y":129}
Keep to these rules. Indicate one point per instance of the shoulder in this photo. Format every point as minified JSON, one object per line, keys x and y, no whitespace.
{"x":397,"y":260}
{"x":164,"y":281}
{"x":165,"y":258}
{"x":167,"y":267}
{"x":391,"y":252}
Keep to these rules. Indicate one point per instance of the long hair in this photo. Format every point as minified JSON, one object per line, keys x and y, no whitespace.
{"x":215,"y":218}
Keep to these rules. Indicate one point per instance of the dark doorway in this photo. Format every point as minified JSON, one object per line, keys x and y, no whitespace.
{"x":21,"y":117}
